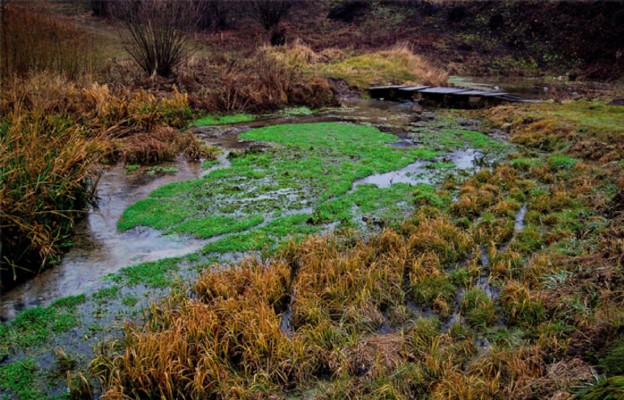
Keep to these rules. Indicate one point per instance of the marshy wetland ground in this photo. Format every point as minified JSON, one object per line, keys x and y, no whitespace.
{"x":260,"y":229}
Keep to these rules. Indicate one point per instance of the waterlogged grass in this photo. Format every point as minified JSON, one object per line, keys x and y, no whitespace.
{"x":156,"y":274}
{"x":18,"y":379}
{"x":223,"y":119}
{"x":209,"y":163}
{"x":158,"y":170}
{"x":450,"y":137}
{"x":310,"y":169}
{"x":266,"y":237}
{"x":36,"y":325}
{"x":389,"y":204}
{"x":217,"y":225}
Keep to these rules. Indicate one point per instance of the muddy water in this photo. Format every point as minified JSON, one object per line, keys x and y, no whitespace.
{"x":99,"y":248}
{"x":536,"y":87}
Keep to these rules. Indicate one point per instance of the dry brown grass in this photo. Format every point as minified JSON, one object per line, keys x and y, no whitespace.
{"x":265,"y":81}
{"x":33,"y":41}
{"x":397,"y":65}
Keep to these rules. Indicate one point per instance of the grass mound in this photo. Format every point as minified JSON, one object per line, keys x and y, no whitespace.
{"x":398,"y":65}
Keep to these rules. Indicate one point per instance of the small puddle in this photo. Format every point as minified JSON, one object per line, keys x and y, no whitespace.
{"x":519,"y":223}
{"x":417,"y":172}
{"x":412,"y":174}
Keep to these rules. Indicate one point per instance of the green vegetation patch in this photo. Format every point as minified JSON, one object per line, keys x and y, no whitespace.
{"x":298,"y":111}
{"x":213,"y":225}
{"x":19,"y":380}
{"x":267,"y":237}
{"x":561,"y":161}
{"x":223,"y":119}
{"x":157,"y":274}
{"x":310,"y":170}
{"x":158,"y":170}
{"x":478,"y":308}
{"x":450,"y":137}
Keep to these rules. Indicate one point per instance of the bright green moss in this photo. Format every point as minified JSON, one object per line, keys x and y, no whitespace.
{"x":34,"y":326}
{"x":223,"y":119}
{"x":313,"y":166}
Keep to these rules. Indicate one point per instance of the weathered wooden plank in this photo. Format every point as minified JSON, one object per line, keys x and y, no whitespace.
{"x":387,"y":87}
{"x":443,"y":90}
{"x":479,"y":93}
{"x":413,"y":88}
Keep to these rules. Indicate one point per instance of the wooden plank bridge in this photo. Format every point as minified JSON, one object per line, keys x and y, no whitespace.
{"x":451,"y":97}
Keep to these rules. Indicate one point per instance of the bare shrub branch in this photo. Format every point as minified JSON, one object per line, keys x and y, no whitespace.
{"x":156,"y":32}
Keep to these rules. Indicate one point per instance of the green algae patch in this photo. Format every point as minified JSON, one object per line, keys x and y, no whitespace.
{"x":307,"y":166}
{"x":223,"y":119}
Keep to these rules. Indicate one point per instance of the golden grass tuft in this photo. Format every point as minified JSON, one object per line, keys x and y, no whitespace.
{"x":397,"y":65}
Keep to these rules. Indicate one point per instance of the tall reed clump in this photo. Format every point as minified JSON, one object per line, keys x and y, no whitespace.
{"x":34,"y":42}
{"x":46,"y":181}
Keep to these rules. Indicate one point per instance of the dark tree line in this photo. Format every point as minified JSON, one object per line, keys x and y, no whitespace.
{"x":213,"y":14}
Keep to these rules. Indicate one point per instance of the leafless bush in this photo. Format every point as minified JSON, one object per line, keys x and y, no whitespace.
{"x":213,"y":14}
{"x":156,"y":32}
{"x":270,"y":12}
